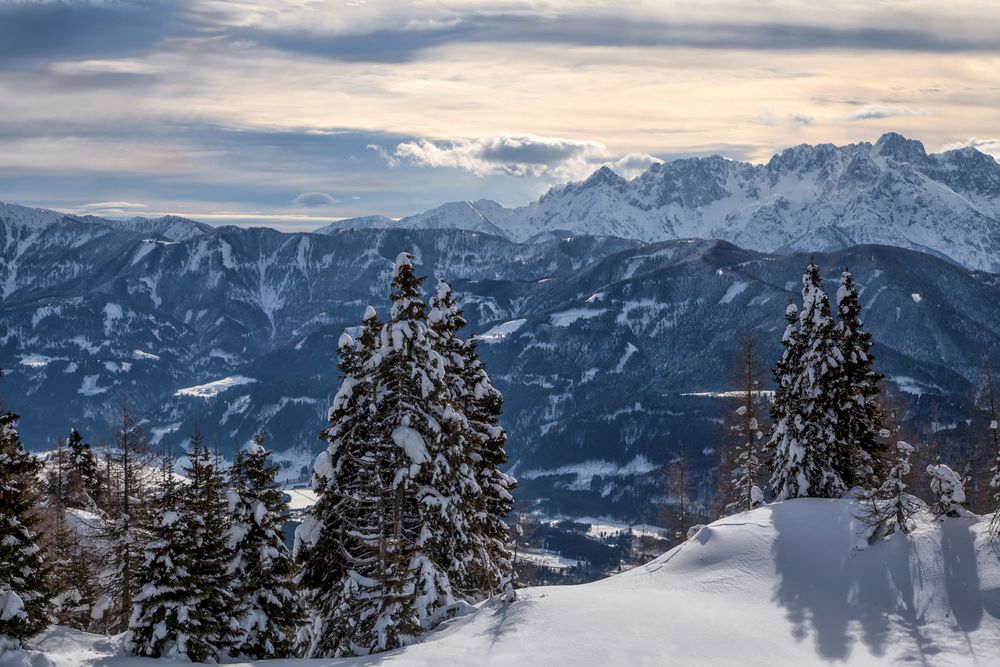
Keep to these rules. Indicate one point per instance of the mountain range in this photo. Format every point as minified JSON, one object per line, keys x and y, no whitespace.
{"x":805,"y":199}
{"x":610,"y":350}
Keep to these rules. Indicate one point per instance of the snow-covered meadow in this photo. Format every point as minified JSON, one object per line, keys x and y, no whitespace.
{"x":792,"y":583}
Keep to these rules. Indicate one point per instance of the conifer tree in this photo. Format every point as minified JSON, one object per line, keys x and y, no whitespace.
{"x":84,"y":479}
{"x":948,"y":490}
{"x":993,"y":430}
{"x":262,"y":566}
{"x":342,"y":541}
{"x":422,"y":459}
{"x":24,"y":576}
{"x":804,"y":438}
{"x":890,"y":508}
{"x":483,"y":564}
{"x":861,"y":456}
{"x":211,"y":622}
{"x":741,"y":466}
{"x":161,"y":610}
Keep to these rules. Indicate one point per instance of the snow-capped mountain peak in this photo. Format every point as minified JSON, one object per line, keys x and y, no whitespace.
{"x":805,"y":198}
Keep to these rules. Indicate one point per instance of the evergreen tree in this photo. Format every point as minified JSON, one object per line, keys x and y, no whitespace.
{"x":890,"y":508}
{"x":161,"y":610}
{"x":804,"y":438}
{"x":863,"y":460}
{"x":341,"y":543}
{"x":948,"y":490}
{"x":483,"y":563}
{"x":262,"y":566}
{"x":84,"y":479}
{"x":211,"y":622}
{"x":993,"y":430}
{"x":741,"y":465}
{"x":25,"y":592}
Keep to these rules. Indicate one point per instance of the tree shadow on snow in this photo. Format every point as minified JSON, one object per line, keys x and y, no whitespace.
{"x":841,"y":595}
{"x":961,"y":573}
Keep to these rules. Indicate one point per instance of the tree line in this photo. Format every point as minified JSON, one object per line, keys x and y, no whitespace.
{"x":834,"y":432}
{"x":408,"y":530}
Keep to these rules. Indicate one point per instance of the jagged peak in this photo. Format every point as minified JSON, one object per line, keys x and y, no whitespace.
{"x":895,"y":145}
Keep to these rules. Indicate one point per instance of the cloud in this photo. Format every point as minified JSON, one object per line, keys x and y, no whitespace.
{"x":876,"y":111}
{"x":403,"y":40}
{"x":504,"y":153}
{"x":313,"y":200}
{"x":108,"y":208}
{"x":84,"y":28}
{"x":633,"y":164}
{"x":988,"y":146}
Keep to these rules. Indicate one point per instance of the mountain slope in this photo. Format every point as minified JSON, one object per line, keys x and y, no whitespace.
{"x":788,"y":584}
{"x":807,"y":198}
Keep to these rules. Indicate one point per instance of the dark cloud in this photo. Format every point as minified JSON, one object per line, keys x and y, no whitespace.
{"x":401,"y":45}
{"x":80,"y":29}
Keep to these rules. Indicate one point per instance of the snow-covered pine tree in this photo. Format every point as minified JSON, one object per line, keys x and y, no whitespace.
{"x":804,"y":437}
{"x":262,"y":566}
{"x":483,"y":564}
{"x":211,"y":622}
{"x":863,"y":460}
{"x":341,"y":543}
{"x":25,"y":591}
{"x":948,"y":490}
{"x":421,"y":462}
{"x":741,"y":464}
{"x":890,"y":508}
{"x":83,"y":480}
{"x":993,"y":431}
{"x":158,"y":626}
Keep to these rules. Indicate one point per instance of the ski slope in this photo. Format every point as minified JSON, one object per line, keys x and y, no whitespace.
{"x":793,"y":583}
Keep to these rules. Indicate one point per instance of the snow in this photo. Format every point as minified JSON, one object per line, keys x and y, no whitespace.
{"x":90,"y":387}
{"x":568,"y":317}
{"x":412,"y":443}
{"x":214,"y":388}
{"x":916,"y":298}
{"x":35,"y":360}
{"x":300,"y":499}
{"x":546,"y":558}
{"x":585,"y":471}
{"x":112,"y":313}
{"x":785,"y":584}
{"x":501,"y":331}
{"x":139,"y":354}
{"x":734,"y":290}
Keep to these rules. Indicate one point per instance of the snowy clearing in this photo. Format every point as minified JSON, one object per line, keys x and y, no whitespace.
{"x":501,"y":331}
{"x":214,"y":388}
{"x":787,"y":584}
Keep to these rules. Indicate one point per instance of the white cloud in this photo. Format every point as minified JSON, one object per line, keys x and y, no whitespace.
{"x":871,"y":111}
{"x":988,"y":146}
{"x":517,"y":155}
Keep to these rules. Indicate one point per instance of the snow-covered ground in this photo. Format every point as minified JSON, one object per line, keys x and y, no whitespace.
{"x":788,"y":584}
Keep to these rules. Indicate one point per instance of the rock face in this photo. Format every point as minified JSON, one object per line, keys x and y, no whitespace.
{"x":596,"y":342}
{"x":807,"y":198}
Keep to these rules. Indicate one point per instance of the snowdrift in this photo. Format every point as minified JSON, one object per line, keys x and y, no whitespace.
{"x":793,"y":583}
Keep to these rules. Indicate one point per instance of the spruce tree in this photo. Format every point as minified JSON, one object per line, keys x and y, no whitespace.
{"x":805,"y":437}
{"x":342,"y":541}
{"x":262,"y":566}
{"x":482,"y":564}
{"x":211,"y":622}
{"x":861,"y":456}
{"x":84,"y":479}
{"x":948,"y":490}
{"x":25,"y":591}
{"x":161,"y":610}
{"x":785,"y":452}
{"x":889,"y":508}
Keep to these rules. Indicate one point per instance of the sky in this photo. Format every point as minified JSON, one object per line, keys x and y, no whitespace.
{"x":292,"y":113}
